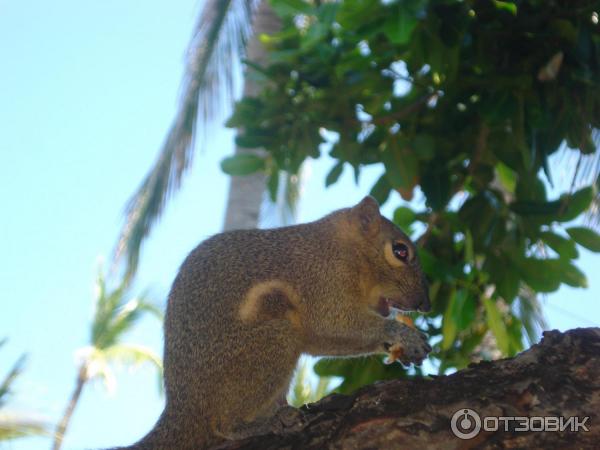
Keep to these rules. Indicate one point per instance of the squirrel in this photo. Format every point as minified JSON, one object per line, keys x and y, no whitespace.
{"x":247,"y":303}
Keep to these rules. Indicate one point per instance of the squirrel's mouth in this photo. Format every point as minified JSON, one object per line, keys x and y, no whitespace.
{"x":386,"y":305}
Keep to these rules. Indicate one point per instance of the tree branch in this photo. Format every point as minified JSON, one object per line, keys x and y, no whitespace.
{"x":557,"y":377}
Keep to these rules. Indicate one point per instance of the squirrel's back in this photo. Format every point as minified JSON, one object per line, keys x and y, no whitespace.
{"x":245,"y":304}
{"x":205,"y":342}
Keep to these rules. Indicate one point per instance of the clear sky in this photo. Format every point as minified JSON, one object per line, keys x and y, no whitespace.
{"x":87,"y":92}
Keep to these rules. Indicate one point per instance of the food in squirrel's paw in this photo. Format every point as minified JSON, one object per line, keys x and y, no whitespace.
{"x":396,"y":351}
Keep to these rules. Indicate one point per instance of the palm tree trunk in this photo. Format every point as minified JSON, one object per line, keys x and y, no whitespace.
{"x":246,"y":192}
{"x":64,"y":423}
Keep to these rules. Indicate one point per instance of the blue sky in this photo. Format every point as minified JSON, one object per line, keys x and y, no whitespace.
{"x":88,"y":90}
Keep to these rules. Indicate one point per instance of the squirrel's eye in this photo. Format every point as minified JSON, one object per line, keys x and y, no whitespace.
{"x":400,"y":251}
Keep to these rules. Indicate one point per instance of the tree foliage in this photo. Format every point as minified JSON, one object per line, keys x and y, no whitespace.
{"x":462,"y":103}
{"x":15,"y":425}
{"x":218,"y":42}
{"x":115,"y":314}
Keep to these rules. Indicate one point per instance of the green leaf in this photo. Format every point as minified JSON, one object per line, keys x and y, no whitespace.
{"x":463,"y":310}
{"x":565,"y":248}
{"x":250,"y":140}
{"x":565,"y":209}
{"x":424,"y":146}
{"x":507,"y":177}
{"x":542,"y":275}
{"x":381,"y":190}
{"x":352,"y":13}
{"x":242,"y":164}
{"x":479,"y":213}
{"x":256,"y":72}
{"x":449,"y":328}
{"x":497,"y":325}
{"x":334,"y":174}
{"x":437,"y":268}
{"x":404,"y":217}
{"x":291,"y":8}
{"x":401,"y":165}
{"x":585,"y":237}
{"x":316,"y":33}
{"x":507,"y":283}
{"x":577,"y":203}
{"x":515,"y":335}
{"x":399,"y":25}
{"x":246,"y":110}
{"x":436,"y":184}
{"x":509,"y":7}
{"x":530,"y":188}
{"x":327,"y":11}
{"x":459,"y":315}
{"x":532,"y":208}
{"x":358,"y":372}
{"x":469,"y":255}
{"x":574,"y":277}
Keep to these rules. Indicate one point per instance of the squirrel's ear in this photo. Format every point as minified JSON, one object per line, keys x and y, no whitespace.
{"x":366,"y":214}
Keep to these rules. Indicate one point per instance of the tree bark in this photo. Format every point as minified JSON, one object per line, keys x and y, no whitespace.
{"x":61,"y":428}
{"x":558,"y":377}
{"x":246,"y":192}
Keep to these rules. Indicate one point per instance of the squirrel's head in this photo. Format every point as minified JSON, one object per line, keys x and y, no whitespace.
{"x":392,"y":275}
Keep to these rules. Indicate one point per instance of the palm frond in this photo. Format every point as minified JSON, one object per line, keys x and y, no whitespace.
{"x":531,"y":313}
{"x":114,"y":315}
{"x":5,"y":385}
{"x":215,"y":51}
{"x":132,"y":355}
{"x":151,"y":309}
{"x":592,"y":169}
{"x":106,"y":306}
{"x":98,"y":362}
{"x":121,"y":321}
{"x":13,"y":426}
{"x":97,"y":367}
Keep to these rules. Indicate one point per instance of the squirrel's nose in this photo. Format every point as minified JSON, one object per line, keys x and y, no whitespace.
{"x":425,"y":305}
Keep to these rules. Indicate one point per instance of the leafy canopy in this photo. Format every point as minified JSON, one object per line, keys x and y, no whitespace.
{"x":464,"y":102}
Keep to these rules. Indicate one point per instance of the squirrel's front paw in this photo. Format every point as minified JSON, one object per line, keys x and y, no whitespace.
{"x":408,"y":345}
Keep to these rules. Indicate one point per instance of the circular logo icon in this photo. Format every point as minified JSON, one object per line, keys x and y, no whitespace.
{"x":465,"y":424}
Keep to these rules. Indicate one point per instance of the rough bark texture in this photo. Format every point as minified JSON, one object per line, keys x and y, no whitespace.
{"x":558,"y":377}
{"x":246,"y":192}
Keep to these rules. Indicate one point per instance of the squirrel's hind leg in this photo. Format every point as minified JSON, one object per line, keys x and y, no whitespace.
{"x":250,"y":398}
